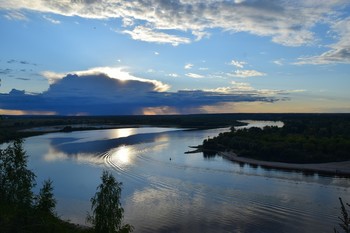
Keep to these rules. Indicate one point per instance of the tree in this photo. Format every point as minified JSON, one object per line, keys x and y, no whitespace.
{"x":344,"y":219}
{"x":16,"y":179}
{"x":107,"y":212}
{"x":45,"y":201}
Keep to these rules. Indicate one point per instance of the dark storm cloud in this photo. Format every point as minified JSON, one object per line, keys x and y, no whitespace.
{"x":98,"y":94}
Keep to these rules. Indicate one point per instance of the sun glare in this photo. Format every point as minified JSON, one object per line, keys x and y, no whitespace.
{"x":122,"y":155}
{"x":121,"y":133}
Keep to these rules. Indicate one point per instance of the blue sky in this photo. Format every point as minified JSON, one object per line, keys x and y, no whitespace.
{"x":87,"y":57}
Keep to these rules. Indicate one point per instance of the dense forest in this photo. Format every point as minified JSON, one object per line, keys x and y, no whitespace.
{"x":302,"y":139}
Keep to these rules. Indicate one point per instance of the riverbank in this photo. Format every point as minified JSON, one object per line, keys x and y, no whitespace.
{"x":333,"y":168}
{"x":12,"y":127}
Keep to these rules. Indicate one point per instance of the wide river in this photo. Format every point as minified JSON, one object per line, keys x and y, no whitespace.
{"x":165,"y":190}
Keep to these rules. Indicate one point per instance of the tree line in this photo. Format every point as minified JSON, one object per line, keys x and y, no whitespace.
{"x":306,"y":140}
{"x":25,"y":212}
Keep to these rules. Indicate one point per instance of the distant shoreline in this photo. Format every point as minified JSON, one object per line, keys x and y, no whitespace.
{"x":331,"y":168}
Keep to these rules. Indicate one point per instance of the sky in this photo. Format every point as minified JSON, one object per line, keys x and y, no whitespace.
{"x":114,"y":57}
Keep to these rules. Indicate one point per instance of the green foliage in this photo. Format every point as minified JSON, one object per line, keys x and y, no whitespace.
{"x":17,"y":212}
{"x":45,"y":201}
{"x":16,"y":179}
{"x":344,"y":219}
{"x":301,"y":140}
{"x":107,"y":212}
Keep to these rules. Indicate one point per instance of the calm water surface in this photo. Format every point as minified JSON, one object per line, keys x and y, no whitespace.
{"x":165,"y":190}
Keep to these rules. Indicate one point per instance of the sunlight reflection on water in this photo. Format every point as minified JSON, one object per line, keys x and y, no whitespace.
{"x":121,"y":156}
{"x":119,"y":133}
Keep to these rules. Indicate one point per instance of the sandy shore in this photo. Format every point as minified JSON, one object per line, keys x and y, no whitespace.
{"x":334,"y":168}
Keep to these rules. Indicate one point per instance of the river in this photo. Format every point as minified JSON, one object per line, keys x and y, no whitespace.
{"x":165,"y":190}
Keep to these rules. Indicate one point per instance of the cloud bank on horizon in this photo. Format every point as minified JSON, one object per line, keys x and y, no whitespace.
{"x":95,"y":93}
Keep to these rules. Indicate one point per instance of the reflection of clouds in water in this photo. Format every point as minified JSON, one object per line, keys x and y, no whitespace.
{"x":53,"y":156}
{"x":176,"y":210}
{"x":162,"y":138}
{"x":160,"y":147}
{"x":206,"y":209}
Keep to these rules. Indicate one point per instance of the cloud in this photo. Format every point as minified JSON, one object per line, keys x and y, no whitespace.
{"x":15,"y":15}
{"x":51,"y":20}
{"x":338,"y":52}
{"x":193,"y":75}
{"x":244,"y":88}
{"x":149,"y":35}
{"x":188,"y":66}
{"x":238,"y":64}
{"x":21,"y":62}
{"x":174,"y":75}
{"x":52,"y":77}
{"x":117,"y":73}
{"x":23,"y":79}
{"x":200,"y":35}
{"x":289,"y":23}
{"x":278,"y":62}
{"x":337,"y":55}
{"x":5,"y":71}
{"x":243,"y":73}
{"x":246,"y":73}
{"x":94,"y":92}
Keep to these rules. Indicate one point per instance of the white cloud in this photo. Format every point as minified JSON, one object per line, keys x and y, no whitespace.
{"x":15,"y":15}
{"x":174,"y":75}
{"x":237,"y":87}
{"x":244,"y":88}
{"x":278,"y":62}
{"x":156,"y":53}
{"x":51,"y":20}
{"x":118,"y":73}
{"x":201,"y":34}
{"x":338,"y":52}
{"x":239,"y":64}
{"x":188,"y":66}
{"x":149,"y":35}
{"x":246,"y":73}
{"x":338,"y":55}
{"x":193,"y":75}
{"x":288,"y":23}
{"x":52,"y":77}
{"x":127,"y":22}
{"x":240,"y":86}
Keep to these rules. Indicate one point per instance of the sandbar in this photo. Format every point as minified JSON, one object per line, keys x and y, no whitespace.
{"x":332,"y":168}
